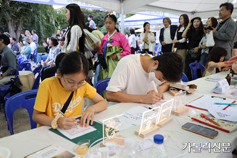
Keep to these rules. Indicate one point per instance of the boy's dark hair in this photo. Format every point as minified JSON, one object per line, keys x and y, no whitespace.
{"x":171,"y":66}
{"x":34,"y":31}
{"x":54,"y":41}
{"x":132,"y":31}
{"x":71,"y":63}
{"x":5,"y":39}
{"x":228,"y":6}
{"x":90,"y":16}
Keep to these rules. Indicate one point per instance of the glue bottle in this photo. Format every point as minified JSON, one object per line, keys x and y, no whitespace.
{"x":158,"y":150}
{"x":129,"y":150}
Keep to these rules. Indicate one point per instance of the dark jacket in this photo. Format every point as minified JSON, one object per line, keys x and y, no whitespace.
{"x":173,"y":29}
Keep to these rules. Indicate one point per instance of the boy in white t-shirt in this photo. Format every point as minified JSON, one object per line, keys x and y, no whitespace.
{"x":132,"y":77}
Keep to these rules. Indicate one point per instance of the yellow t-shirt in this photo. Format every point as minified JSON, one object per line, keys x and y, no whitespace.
{"x":52,"y":96}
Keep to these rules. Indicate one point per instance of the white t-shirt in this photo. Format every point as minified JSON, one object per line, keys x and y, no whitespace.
{"x":129,"y":76}
{"x":33,"y":47}
{"x":132,"y":39}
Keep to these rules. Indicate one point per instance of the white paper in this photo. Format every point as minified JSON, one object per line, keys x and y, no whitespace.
{"x":124,"y":120}
{"x":52,"y":151}
{"x":221,"y":86}
{"x":229,"y":114}
{"x":206,"y":102}
{"x":212,"y":78}
{"x":76,"y":131}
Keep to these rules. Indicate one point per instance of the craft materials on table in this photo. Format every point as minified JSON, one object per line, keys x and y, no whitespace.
{"x":229,"y":114}
{"x":223,"y":125}
{"x":206,"y":102}
{"x":76,"y":131}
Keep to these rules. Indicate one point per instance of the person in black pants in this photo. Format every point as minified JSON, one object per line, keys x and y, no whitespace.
{"x":167,"y":34}
{"x":194,"y":33}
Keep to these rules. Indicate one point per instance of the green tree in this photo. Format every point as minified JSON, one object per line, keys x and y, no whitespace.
{"x":21,"y":16}
{"x":60,"y":19}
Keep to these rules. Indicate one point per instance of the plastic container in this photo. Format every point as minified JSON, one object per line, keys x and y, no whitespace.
{"x":158,"y":150}
{"x":96,"y":154}
{"x":129,"y":149}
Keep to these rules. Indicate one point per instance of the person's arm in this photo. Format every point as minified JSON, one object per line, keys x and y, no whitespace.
{"x":126,"y":48}
{"x":76,"y":34}
{"x":229,"y":34}
{"x":100,"y":105}
{"x":212,"y":65}
{"x":121,"y":97}
{"x":164,"y":87}
{"x":184,"y":35}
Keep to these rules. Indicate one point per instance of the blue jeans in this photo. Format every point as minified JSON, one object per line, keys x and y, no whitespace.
{"x":203,"y":59}
{"x":40,"y":57}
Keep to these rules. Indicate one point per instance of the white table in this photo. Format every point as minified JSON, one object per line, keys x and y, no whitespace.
{"x":29,"y":141}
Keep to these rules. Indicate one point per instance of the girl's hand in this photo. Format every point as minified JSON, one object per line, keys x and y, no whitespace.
{"x":189,"y":24}
{"x":44,"y":63}
{"x":88,"y":115}
{"x":234,"y":67}
{"x":113,"y":57}
{"x":66,"y":123}
{"x":195,"y":50}
{"x":225,"y":69}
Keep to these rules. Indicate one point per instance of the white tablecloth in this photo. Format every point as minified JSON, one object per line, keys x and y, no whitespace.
{"x":29,"y":141}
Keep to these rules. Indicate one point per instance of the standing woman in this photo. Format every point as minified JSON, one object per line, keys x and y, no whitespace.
{"x":75,"y":36}
{"x":193,"y":33}
{"x":179,"y":42}
{"x":148,"y":39}
{"x":116,"y":50}
{"x":132,"y":41}
{"x":211,"y":22}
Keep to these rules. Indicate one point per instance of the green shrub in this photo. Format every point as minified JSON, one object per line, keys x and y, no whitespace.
{"x":40,"y":49}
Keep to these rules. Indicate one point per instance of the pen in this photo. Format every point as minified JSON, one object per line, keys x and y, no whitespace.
{"x":75,"y":125}
{"x":207,"y":118}
{"x":224,"y":103}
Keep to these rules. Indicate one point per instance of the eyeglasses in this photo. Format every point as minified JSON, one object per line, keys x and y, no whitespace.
{"x":72,"y":84}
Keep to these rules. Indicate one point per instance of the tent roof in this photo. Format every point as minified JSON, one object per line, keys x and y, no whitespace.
{"x":202,"y":8}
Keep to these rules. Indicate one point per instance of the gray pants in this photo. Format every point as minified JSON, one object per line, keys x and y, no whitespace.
{"x":6,"y":79}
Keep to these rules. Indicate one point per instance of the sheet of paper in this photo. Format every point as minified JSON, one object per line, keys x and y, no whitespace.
{"x":52,"y":151}
{"x":212,"y":78}
{"x":76,"y":131}
{"x":207,"y":102}
{"x":228,"y":114}
{"x":123,"y":120}
{"x":221,"y":86}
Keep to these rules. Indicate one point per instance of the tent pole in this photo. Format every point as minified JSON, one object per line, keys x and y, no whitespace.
{"x":122,"y":17}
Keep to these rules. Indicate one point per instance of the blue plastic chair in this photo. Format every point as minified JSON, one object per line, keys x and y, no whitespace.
{"x":101,"y":86}
{"x":194,"y":66}
{"x":25,"y":66}
{"x":158,"y":50}
{"x":37,"y":71}
{"x":184,"y":78}
{"x":21,"y":100}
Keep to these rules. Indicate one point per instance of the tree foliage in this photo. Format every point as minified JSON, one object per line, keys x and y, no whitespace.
{"x":21,"y":16}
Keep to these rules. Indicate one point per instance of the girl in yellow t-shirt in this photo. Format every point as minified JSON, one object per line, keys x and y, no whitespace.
{"x":215,"y":61}
{"x":72,"y":69}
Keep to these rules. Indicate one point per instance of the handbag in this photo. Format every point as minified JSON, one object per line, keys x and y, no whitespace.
{"x":27,"y":79}
{"x":210,"y":39}
{"x":15,"y":87}
{"x":194,"y":55}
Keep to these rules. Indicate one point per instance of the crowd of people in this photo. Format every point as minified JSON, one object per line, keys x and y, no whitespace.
{"x":71,"y":53}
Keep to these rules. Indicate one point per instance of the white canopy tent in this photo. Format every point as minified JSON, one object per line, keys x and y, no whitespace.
{"x":137,"y":20}
{"x":201,"y":8}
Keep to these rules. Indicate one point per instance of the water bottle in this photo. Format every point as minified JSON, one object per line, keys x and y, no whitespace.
{"x":129,"y":150}
{"x":158,"y":150}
